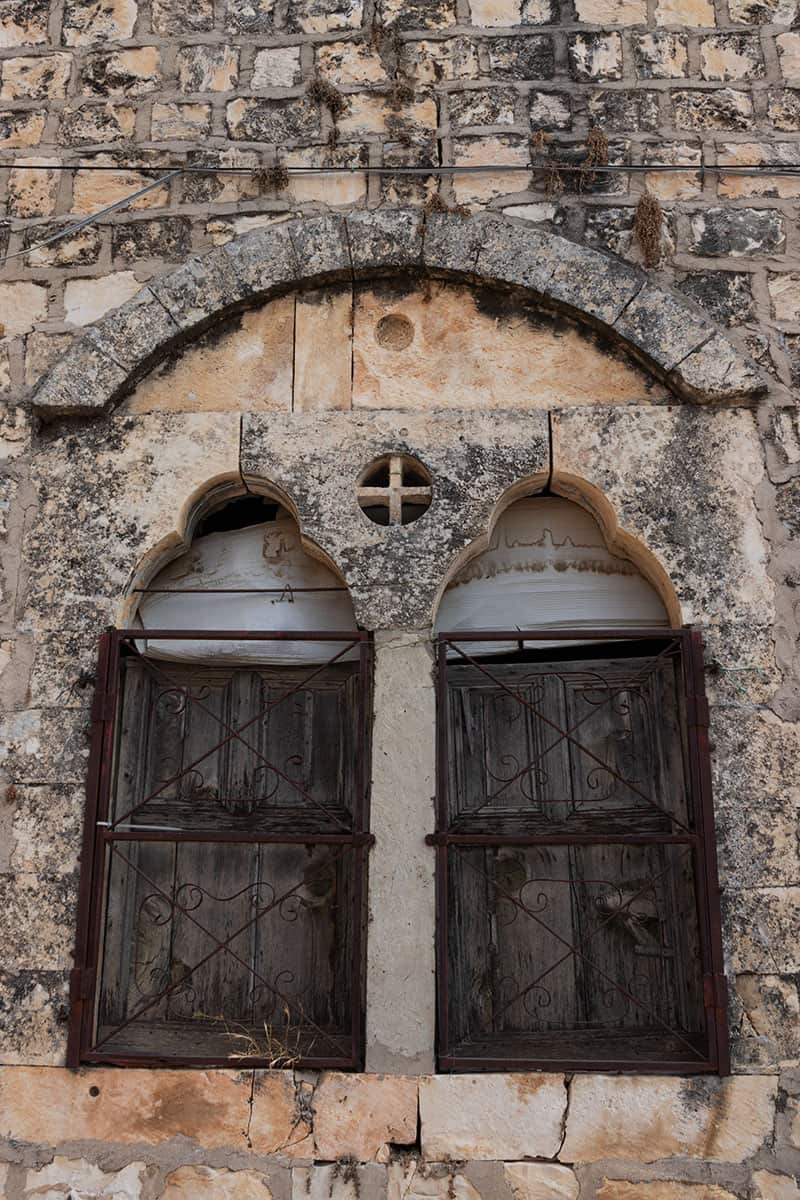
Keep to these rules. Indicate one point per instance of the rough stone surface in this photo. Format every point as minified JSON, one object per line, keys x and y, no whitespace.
{"x":491,"y":1116}
{"x":357,"y":1116}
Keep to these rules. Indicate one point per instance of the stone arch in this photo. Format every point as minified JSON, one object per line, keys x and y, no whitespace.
{"x":672,"y":338}
{"x":588,"y":497}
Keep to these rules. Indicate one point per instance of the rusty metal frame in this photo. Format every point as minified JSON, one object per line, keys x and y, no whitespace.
{"x":698,"y":840}
{"x":100,"y":840}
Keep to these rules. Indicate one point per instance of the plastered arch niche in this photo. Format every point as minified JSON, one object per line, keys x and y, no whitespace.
{"x":547,"y":566}
{"x":394,"y":344}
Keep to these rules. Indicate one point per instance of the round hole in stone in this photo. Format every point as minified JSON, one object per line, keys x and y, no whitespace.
{"x":394,"y":489}
{"x":94,"y":1091}
{"x":394,"y":332}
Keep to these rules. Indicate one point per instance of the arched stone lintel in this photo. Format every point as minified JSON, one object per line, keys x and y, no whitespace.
{"x":672,"y":338}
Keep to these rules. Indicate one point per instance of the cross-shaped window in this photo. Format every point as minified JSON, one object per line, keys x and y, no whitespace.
{"x":395,"y":490}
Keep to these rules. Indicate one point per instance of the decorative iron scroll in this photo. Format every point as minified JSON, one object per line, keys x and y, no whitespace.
{"x":223,"y":887}
{"x":578,"y":911}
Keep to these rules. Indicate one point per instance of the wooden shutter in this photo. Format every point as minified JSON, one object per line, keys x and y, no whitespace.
{"x":577,"y":924}
{"x":226,"y":890}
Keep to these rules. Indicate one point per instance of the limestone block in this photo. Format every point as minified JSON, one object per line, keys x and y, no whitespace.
{"x":350,"y":62}
{"x":154,"y":466}
{"x":169,"y":17}
{"x":32,"y":1009}
{"x":595,"y":56}
{"x":78,"y":1178}
{"x":453,"y":58}
{"x":618,"y":1189}
{"x":149,"y":1107}
{"x":322,"y":380}
{"x":122,"y":72}
{"x":789,"y":55}
{"x":44,"y":77}
{"x":767,"y":921}
{"x":762,"y":12}
{"x":541,"y":1181}
{"x":519,"y":58}
{"x":731,"y":56}
{"x":443,"y":362}
{"x":770,"y":1032}
{"x":417,"y":14}
{"x":164,"y":239}
{"x":341,"y":1180}
{"x":660,"y":55}
{"x":87,"y":299}
{"x":655,"y":318}
{"x":646,"y":462}
{"x":37,"y":920}
{"x":324,"y":16}
{"x":685,"y":12}
{"x":400,"y":948}
{"x":180,"y":121}
{"x":22,"y":305}
{"x":612,"y":12}
{"x":109,"y":22}
{"x":737,"y":232}
{"x":277,"y":68}
{"x":98,"y":123}
{"x":722,"y":109}
{"x":31,"y":191}
{"x":383,"y":238}
{"x":46,"y":826}
{"x":491,"y":1116}
{"x":645,"y":1118}
{"x":772,"y":1186}
{"x":208,"y":68}
{"x":412,"y":1179}
{"x":258,"y":120}
{"x":550,"y":110}
{"x":358,"y":1115}
{"x":779,"y":154}
{"x":23,"y":23}
{"x":321,"y":247}
{"x":21,"y":129}
{"x":674,"y":185}
{"x":92,"y":190}
{"x":190,"y":1183}
{"x":784,"y":293}
{"x":481,"y":151}
{"x":493,"y":106}
{"x":322,"y":486}
{"x":245,"y":368}
{"x":369,"y":113}
{"x":344,"y":188}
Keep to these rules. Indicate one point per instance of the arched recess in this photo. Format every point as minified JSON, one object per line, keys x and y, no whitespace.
{"x":242,"y":563}
{"x":672,"y":338}
{"x":505,"y":550}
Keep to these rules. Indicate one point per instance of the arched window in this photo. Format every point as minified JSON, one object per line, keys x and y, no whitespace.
{"x":223,"y":869}
{"x":578,"y":920}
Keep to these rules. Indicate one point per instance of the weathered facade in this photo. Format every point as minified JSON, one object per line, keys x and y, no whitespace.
{"x":242,"y":330}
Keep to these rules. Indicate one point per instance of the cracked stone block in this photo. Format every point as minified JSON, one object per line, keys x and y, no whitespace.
{"x":768,"y":1034}
{"x":768,"y":928}
{"x":660,"y":55}
{"x":76,"y":1177}
{"x":646,"y":1118}
{"x":491,"y":1116}
{"x":411,"y":1179}
{"x":141,"y":1107}
{"x":360,"y":1115}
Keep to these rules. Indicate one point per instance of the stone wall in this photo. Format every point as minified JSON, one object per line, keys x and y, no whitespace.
{"x":142,"y":421}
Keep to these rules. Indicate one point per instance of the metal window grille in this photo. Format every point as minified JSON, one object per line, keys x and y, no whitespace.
{"x":578,"y":922}
{"x":223,"y":886}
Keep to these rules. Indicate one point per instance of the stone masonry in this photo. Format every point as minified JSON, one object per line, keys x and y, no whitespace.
{"x":655,"y":381}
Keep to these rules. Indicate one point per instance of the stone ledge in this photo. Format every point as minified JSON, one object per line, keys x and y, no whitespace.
{"x":661,"y":329}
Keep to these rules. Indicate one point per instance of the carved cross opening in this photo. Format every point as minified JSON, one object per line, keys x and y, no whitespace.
{"x":395,"y":490}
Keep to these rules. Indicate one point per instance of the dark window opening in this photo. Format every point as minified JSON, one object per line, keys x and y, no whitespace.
{"x":578,"y":903}
{"x":238,"y":514}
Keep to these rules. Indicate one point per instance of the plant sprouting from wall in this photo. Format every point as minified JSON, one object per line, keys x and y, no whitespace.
{"x":648,"y":224}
